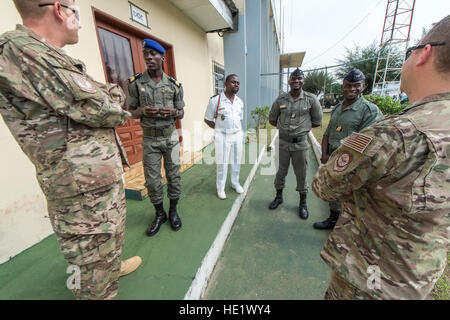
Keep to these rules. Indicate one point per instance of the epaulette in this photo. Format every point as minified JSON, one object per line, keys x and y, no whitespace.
{"x":175,"y":82}
{"x":214,"y":96}
{"x":135,"y":77}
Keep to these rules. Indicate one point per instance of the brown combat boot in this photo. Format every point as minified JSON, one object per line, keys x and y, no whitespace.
{"x":129,"y":265}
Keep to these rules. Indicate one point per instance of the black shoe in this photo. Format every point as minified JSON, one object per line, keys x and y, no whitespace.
{"x":160,"y":218}
{"x":278,"y":200}
{"x":329,"y":223}
{"x":175,"y":221}
{"x":302,"y":209}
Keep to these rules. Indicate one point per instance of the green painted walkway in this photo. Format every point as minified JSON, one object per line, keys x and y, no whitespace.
{"x":270,"y":255}
{"x":273,"y":254}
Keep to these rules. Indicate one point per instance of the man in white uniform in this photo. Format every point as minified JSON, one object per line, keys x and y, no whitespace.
{"x":224,"y":114}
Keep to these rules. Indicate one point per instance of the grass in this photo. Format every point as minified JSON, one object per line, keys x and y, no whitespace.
{"x":441,"y":290}
{"x":319,"y":131}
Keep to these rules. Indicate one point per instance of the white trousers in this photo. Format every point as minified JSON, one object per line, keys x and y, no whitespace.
{"x":228,"y":151}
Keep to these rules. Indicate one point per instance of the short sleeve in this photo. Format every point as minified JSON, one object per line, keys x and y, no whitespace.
{"x":316,"y":112}
{"x":274,"y":111}
{"x":211,"y":109}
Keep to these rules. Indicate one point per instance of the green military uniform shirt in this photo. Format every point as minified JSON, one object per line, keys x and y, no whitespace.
{"x":394,"y":180}
{"x":295,"y":118}
{"x":354,"y":118}
{"x":62,"y":119}
{"x":144,"y":92}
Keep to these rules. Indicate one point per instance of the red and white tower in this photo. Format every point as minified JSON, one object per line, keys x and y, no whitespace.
{"x":394,"y":42}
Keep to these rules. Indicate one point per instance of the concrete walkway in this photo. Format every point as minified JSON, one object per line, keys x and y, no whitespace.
{"x":273,"y":254}
{"x":269,"y":255}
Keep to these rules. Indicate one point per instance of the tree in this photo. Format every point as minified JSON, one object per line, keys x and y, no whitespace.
{"x":369,"y":56}
{"x":315,"y":80}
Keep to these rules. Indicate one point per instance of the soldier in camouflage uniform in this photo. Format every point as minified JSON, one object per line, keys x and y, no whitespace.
{"x":64,"y":122}
{"x":294,"y":114}
{"x":157,"y":100}
{"x":352,"y":115}
{"x":393,"y":178}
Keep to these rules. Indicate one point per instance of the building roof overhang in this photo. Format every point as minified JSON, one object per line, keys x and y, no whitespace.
{"x":292,"y":60}
{"x":210,"y":15}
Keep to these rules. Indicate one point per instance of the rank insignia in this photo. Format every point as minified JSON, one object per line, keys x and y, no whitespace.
{"x":222,"y":117}
{"x":339,"y":129}
{"x":343,"y":161}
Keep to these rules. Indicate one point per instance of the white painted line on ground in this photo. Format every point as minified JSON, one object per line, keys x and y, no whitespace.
{"x":200,"y":282}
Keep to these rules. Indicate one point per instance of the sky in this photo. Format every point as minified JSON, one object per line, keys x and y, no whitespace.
{"x":324,"y":28}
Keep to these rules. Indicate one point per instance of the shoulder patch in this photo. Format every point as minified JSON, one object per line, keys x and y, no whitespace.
{"x":134,"y":78}
{"x":357,"y":141}
{"x":173,"y":80}
{"x":341,"y":163}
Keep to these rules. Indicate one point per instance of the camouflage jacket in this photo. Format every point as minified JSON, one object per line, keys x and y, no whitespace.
{"x":394,"y":181}
{"x":62,"y":119}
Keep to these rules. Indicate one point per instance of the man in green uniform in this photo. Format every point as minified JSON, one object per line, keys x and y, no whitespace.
{"x":157,"y":100}
{"x":64,"y":122}
{"x":393,"y":177}
{"x":352,"y":115}
{"x":294,"y":114}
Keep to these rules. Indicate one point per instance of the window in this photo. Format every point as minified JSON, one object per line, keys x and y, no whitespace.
{"x":219,"y":77}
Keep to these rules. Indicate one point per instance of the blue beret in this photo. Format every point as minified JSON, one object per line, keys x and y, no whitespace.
{"x":297,"y":73}
{"x":354,"y":76}
{"x":152,"y":44}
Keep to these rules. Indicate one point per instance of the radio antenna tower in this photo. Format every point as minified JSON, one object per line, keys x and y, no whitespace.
{"x":394,"y":42}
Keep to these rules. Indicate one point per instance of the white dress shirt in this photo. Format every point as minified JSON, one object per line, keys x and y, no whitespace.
{"x":229,"y":114}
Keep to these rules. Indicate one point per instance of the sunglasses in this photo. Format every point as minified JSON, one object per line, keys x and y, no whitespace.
{"x":420,"y":46}
{"x":74,"y":10}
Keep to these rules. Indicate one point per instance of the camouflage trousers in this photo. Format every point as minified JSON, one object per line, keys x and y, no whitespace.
{"x":90,"y":231}
{"x":340,"y":289}
{"x":155,"y":149}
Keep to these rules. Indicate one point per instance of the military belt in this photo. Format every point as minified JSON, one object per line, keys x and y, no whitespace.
{"x":293,"y":139}
{"x":158,"y":132}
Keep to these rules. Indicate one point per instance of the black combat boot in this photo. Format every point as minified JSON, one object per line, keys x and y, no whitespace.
{"x":303,"y":210}
{"x":329,"y":223}
{"x":160,"y":218}
{"x":278,"y":200}
{"x":175,"y":221}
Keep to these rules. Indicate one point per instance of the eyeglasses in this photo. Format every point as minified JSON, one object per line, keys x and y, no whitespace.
{"x":420,"y":46}
{"x":74,"y":10}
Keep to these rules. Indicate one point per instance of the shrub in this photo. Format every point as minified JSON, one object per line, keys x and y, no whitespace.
{"x":386,"y":104}
{"x":260,"y":115}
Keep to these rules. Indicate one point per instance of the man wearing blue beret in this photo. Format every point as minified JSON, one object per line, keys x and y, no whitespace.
{"x":352,"y":115}
{"x":157,"y":100}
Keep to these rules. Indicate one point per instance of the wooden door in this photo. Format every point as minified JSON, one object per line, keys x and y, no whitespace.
{"x":121,"y":51}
